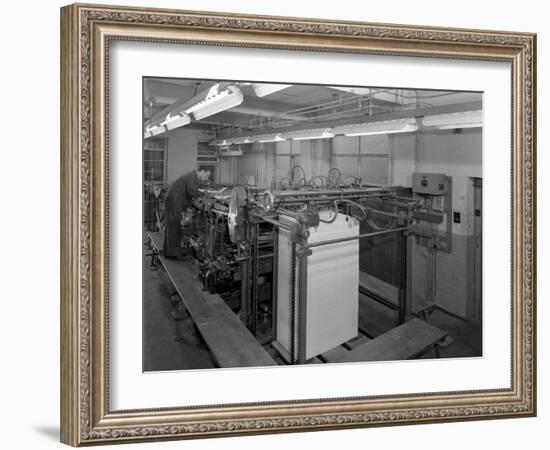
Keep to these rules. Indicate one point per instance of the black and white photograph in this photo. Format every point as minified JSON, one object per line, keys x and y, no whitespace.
{"x":290,"y":224}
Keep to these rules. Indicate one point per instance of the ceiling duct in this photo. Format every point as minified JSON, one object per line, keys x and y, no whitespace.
{"x":373,"y":128}
{"x":466,"y":119}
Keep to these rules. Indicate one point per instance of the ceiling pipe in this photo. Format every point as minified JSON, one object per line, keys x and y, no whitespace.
{"x":394,"y":115}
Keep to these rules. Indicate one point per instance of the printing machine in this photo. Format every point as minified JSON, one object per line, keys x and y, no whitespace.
{"x":289,"y":256}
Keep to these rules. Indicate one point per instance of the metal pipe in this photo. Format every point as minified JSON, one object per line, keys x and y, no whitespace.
{"x":382,"y":213}
{"x":255,"y":270}
{"x":244,"y":292}
{"x":402,"y":311}
{"x":274,"y":285}
{"x":332,"y":191}
{"x":302,"y":305}
{"x":409,"y":288}
{"x":326,"y":197}
{"x":293,"y":303}
{"x":352,"y":238}
{"x":274,"y":222}
{"x":408,"y":199}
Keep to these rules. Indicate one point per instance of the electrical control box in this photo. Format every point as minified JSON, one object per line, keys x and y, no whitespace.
{"x":429,"y":183}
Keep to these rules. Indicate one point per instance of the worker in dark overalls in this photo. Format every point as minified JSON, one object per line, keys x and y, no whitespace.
{"x":178,"y":199}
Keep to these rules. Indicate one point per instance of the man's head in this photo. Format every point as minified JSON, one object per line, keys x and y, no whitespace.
{"x":203,"y":175}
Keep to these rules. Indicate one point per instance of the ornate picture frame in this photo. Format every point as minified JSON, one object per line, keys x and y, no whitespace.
{"x":86,"y":34}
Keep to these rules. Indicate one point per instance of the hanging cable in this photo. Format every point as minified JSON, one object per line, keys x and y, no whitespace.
{"x":351,"y":204}
{"x":335,"y":210}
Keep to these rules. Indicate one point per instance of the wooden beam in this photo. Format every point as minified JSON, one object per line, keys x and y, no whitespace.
{"x":230,"y":342}
{"x":403,"y":342}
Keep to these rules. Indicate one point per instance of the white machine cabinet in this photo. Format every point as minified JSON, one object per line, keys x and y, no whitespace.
{"x":332,"y":287}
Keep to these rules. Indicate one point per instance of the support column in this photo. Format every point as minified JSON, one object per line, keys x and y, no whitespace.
{"x":302,"y":254}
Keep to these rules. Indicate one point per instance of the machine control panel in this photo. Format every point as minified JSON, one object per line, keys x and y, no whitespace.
{"x":429,"y":183}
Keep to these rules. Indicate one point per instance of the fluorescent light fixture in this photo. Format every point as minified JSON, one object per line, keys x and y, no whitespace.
{"x":154,"y":131}
{"x":231,"y":153}
{"x":466,"y":119}
{"x":175,"y":121}
{"x":352,"y":90}
{"x":270,"y":138}
{"x":241,"y":140}
{"x":373,"y":128}
{"x":263,"y":89}
{"x":216,"y":100}
{"x":230,"y":141}
{"x":309,"y":134}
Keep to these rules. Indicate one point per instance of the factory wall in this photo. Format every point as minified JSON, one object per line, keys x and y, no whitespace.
{"x":228,"y":169}
{"x":256,"y":166}
{"x":387,"y":159}
{"x":366,"y":157}
{"x":182,"y":151}
{"x":457,"y":154}
{"x":270,"y":161}
{"x":403,"y":158}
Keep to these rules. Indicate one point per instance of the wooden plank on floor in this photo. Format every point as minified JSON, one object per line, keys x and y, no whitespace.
{"x":375,"y":286}
{"x":403,"y":342}
{"x":231,"y":343}
{"x":314,"y":360}
{"x":356,"y":342}
{"x":335,"y":354}
{"x":375,"y":319}
{"x":280,"y":353}
{"x":234,"y":345}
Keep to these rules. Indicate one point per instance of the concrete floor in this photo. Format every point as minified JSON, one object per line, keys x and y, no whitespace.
{"x":465,"y":337}
{"x":163,"y":349}
{"x":171,"y":344}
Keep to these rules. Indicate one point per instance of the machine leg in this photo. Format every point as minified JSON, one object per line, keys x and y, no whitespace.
{"x":402,"y":312}
{"x":302,"y":304}
{"x":274,"y":285}
{"x":293,"y":304}
{"x":244,"y":293}
{"x":255,"y":270}
{"x":153,"y":254}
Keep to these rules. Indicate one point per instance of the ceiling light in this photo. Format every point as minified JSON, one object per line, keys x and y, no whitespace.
{"x":228,"y":152}
{"x":217,"y":99}
{"x":373,"y":128}
{"x":466,"y":119}
{"x":230,"y":141}
{"x":241,"y":140}
{"x":352,"y":90}
{"x":263,"y":89}
{"x":155,"y":130}
{"x":270,"y":138}
{"x":310,"y":134}
{"x":175,"y":121}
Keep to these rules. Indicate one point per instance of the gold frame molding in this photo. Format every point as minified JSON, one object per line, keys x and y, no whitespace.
{"x":86,"y":31}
